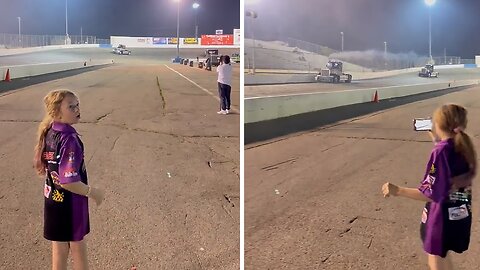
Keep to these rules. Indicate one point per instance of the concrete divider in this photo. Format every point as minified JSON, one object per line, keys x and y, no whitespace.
{"x":21,"y":71}
{"x":267,"y":108}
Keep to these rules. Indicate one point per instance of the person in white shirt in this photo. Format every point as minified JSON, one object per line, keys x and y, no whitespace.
{"x":224,"y":80}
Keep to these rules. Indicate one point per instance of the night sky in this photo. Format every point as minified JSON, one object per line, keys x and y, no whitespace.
{"x":103,"y":18}
{"x":368,"y":23}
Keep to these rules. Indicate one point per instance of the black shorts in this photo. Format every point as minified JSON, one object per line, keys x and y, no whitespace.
{"x":456,"y":233}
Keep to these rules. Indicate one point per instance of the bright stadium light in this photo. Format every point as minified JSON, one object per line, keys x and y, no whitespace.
{"x":196,"y":6}
{"x":430,"y":2}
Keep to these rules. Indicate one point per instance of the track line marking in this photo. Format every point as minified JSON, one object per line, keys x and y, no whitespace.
{"x":233,"y":108}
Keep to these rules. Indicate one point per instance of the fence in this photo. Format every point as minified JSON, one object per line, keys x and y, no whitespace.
{"x":24,"y":41}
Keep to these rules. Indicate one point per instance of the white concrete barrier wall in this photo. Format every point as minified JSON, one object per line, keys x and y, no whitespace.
{"x":268,"y":108}
{"x":147,"y":42}
{"x":22,"y":71}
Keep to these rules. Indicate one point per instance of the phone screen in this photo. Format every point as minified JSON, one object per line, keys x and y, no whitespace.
{"x":422,"y":124}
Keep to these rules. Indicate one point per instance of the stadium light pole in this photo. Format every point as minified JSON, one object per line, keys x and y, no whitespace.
{"x":385,"y":53}
{"x":178,"y":31}
{"x":253,"y":15}
{"x":19,"y":30}
{"x":430,"y":3}
{"x":196,"y":6}
{"x":341,"y":33}
{"x":66,"y":21}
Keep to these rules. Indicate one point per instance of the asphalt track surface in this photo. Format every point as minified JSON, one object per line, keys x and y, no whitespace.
{"x":313,"y":199}
{"x":446,"y":75}
{"x":145,"y":55}
{"x":168,"y":163}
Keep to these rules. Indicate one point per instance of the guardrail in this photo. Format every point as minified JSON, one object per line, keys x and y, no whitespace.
{"x":267,"y":108}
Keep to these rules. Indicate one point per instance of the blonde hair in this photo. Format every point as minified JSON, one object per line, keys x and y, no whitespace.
{"x":452,"y":118}
{"x":52,"y":102}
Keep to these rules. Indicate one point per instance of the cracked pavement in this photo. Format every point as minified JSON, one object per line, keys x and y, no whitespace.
{"x":313,"y":199}
{"x":165,"y":207}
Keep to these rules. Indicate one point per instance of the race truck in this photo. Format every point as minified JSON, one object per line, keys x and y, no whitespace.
{"x":121,"y":49}
{"x":428,"y":71}
{"x":235,"y":57}
{"x":333,"y":73}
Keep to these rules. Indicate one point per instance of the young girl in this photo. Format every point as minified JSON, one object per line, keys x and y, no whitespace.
{"x":59,"y":158}
{"x":446,"y":187}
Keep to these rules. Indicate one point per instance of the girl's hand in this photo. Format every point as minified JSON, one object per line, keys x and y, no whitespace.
{"x":433,"y":137}
{"x":97,"y":195}
{"x":389,"y":189}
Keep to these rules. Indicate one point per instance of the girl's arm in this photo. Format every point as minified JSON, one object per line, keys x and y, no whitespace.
{"x":390,"y":189}
{"x":81,"y":189}
{"x":412,"y":193}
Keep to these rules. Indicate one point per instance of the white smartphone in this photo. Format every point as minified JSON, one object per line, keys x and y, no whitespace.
{"x":422,"y":124}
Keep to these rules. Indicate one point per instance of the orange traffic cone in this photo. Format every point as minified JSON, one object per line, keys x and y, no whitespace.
{"x":375,"y":97}
{"x":7,"y":77}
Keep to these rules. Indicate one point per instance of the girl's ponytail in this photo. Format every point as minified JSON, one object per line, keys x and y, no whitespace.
{"x":38,"y":161}
{"x":464,"y":146}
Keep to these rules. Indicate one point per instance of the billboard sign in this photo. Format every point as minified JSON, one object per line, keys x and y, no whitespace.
{"x":160,"y":40}
{"x":190,"y":41}
{"x":217,"y":40}
{"x":172,"y":40}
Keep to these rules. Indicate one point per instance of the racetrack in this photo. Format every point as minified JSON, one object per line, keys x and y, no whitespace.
{"x":313,"y":199}
{"x":150,"y":130}
{"x":446,"y":75}
{"x":138,"y":56}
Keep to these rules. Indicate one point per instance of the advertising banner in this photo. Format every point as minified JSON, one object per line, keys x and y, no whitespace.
{"x":217,"y":40}
{"x":144,"y":40}
{"x":190,"y":41}
{"x":236,"y":36}
{"x":172,"y":40}
{"x":160,"y":40}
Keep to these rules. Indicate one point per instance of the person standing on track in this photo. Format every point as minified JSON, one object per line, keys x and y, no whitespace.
{"x":59,"y":159}
{"x":447,"y":217}
{"x":224,"y":80}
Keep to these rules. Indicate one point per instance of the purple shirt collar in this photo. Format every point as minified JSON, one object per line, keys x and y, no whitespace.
{"x":62,"y":127}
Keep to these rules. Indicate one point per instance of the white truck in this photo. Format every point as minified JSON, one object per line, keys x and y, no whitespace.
{"x":121,"y":49}
{"x":333,"y":73}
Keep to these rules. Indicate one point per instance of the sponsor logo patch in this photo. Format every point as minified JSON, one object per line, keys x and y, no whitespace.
{"x":70,"y":174}
{"x":424,"y":215}
{"x":71,"y":157}
{"x":432,"y":169}
{"x":55,"y":178}
{"x":48,"y":155}
{"x":46,"y":190}
{"x":457,"y":213}
{"x":57,"y":196}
